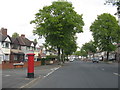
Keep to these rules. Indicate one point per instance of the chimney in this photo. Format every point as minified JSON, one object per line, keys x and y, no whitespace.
{"x":3,"y":31}
{"x":23,"y":35}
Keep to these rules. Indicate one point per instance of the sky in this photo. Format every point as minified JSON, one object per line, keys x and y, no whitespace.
{"x":16,"y":15}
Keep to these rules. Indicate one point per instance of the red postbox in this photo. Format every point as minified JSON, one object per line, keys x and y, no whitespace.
{"x":30,"y":73}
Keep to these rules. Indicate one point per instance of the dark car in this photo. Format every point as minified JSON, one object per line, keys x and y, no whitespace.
{"x":95,"y":60}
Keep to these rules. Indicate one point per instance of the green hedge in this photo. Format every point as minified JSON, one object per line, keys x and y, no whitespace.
{"x":50,"y":57}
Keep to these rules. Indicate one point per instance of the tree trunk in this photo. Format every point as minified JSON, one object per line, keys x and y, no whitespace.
{"x":67,"y":58}
{"x":63,"y":56}
{"x":93,"y":55}
{"x":107,"y":55}
{"x":59,"y":55}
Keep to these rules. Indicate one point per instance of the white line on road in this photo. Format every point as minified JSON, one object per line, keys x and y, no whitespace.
{"x":116,"y":74}
{"x":49,"y":73}
{"x":30,"y":82}
{"x":52,"y":71}
{"x":7,"y":75}
{"x":103,"y":69}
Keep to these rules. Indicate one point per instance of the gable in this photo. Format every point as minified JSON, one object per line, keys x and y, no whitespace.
{"x":7,"y":39}
{"x":37,"y":46}
{"x":32,"y":45}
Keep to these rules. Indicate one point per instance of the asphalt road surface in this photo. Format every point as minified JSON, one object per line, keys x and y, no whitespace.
{"x":80,"y":74}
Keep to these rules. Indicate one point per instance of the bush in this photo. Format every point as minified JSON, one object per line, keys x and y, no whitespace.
{"x":41,"y":59}
{"x":51,"y":57}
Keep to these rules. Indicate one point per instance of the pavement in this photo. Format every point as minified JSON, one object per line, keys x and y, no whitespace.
{"x":17,"y":78}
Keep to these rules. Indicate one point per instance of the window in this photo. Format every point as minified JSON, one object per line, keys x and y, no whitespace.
{"x":6,"y":58}
{"x":27,"y":48}
{"x":19,"y":47}
{"x":32,"y":48}
{"x":6,"y":45}
{"x":15,"y":57}
{"x":1,"y":59}
{"x":15,"y":46}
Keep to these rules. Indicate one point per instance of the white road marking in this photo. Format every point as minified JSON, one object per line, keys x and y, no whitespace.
{"x":49,"y":73}
{"x":103,"y":69}
{"x":53,"y":69}
{"x":7,"y":75}
{"x":30,"y":82}
{"x":116,"y":74}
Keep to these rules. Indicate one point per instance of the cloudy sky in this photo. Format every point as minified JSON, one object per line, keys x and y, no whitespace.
{"x":16,"y":15}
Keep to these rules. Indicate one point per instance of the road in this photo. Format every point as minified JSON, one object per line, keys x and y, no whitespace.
{"x":80,"y":74}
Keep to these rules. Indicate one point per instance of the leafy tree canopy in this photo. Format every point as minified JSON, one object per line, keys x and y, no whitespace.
{"x":105,"y":31}
{"x":90,"y":47}
{"x":58,"y":23}
{"x":114,"y":2}
{"x":15,"y":35}
{"x":35,"y":40}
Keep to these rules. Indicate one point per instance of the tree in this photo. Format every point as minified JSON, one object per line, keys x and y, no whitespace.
{"x":77,"y":53}
{"x":14,"y":35}
{"x":35,"y":40}
{"x":104,"y":30}
{"x":70,"y":48}
{"x":114,"y":2}
{"x":58,"y":24}
{"x":90,"y":47}
{"x":83,"y":53}
{"x":117,"y":4}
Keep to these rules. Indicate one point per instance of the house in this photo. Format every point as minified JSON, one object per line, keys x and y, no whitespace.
{"x":42,"y":52}
{"x":28,"y":46}
{"x":25,"y":45}
{"x":37,"y":51}
{"x":17,"y":55}
{"x":5,"y":42}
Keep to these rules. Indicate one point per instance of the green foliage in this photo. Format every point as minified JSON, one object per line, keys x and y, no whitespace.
{"x":58,"y":24}
{"x":51,"y":57}
{"x":90,"y":47}
{"x":78,"y":53}
{"x":83,"y":52}
{"x":41,"y":59}
{"x":105,"y":32}
{"x":70,"y":47}
{"x":114,"y":2}
{"x":35,"y":40}
{"x":15,"y":35}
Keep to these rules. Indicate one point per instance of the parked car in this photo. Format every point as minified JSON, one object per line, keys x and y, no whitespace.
{"x":71,"y":60}
{"x":95,"y":60}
